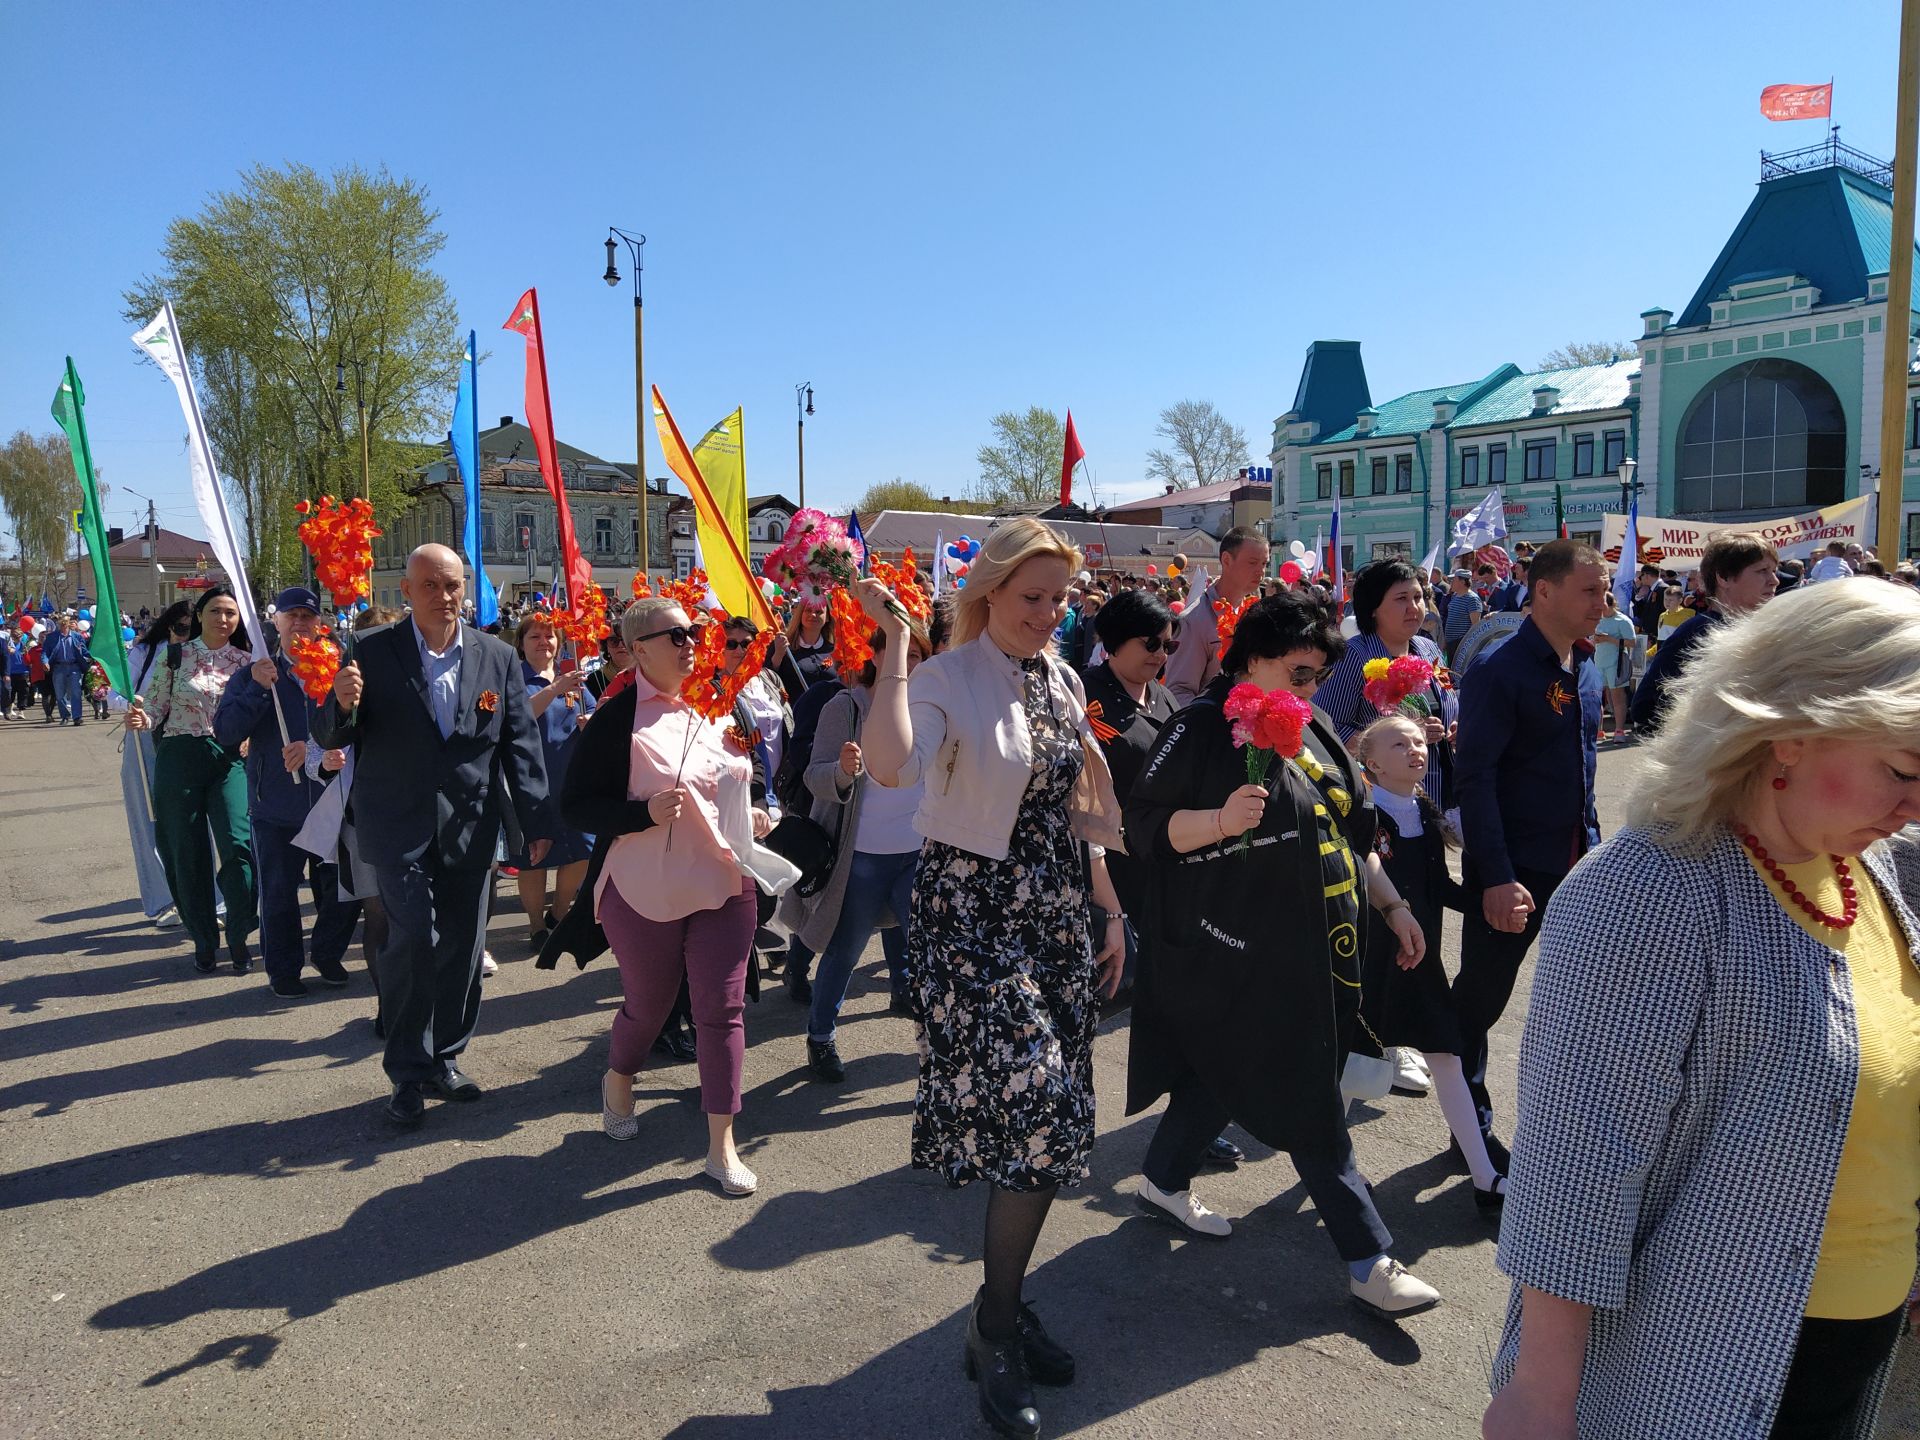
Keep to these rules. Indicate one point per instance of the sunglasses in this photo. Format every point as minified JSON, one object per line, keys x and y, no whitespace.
{"x":679,"y":635}
{"x":183,"y":629}
{"x":1306,"y":674}
{"x":1154,"y":644}
{"x":740,"y":644}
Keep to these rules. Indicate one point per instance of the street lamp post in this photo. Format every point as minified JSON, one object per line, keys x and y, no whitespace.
{"x":803,"y":407}
{"x":1629,"y":487}
{"x":636,"y":250}
{"x":360,"y":415}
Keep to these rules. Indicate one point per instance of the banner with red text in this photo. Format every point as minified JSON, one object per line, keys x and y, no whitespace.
{"x":1677,"y":544}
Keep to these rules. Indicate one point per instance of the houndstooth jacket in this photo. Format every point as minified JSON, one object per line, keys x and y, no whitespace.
{"x":1686,"y":1080}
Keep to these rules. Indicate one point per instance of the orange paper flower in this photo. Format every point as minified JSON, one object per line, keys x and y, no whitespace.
{"x":489,"y":700}
{"x":1227,"y":618}
{"x":339,"y":535}
{"x":851,"y":649}
{"x":315,"y":663}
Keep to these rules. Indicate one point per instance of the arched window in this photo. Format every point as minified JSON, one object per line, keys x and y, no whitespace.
{"x":1769,"y":434}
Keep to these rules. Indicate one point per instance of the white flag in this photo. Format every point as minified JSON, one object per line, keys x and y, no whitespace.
{"x":1485,"y":524}
{"x":161,"y":342}
{"x":939,"y":560}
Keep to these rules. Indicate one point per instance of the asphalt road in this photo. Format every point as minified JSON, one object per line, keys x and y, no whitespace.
{"x":209,"y":1230}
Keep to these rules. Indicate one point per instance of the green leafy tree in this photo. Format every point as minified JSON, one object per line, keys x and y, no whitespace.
{"x":276,"y":284}
{"x":1587,"y":352}
{"x":898,"y":494}
{"x":39,"y":492}
{"x":1206,"y":447}
{"x":1022,"y":465}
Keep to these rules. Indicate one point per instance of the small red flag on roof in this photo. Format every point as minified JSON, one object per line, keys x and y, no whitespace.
{"x":1075,"y":452}
{"x":1797,"y":102}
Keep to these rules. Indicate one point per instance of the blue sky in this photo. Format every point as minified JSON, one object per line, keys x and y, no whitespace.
{"x":933,"y":213}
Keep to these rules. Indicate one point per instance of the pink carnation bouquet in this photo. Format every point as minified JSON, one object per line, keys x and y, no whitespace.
{"x":1400,"y":686}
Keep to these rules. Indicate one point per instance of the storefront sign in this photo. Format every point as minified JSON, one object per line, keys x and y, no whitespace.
{"x":1681,"y":542}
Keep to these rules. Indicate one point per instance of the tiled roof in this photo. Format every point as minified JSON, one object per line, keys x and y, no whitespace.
{"x":1195,"y":495}
{"x":169,"y":545}
{"x":1584,"y":388}
{"x":1409,"y":414}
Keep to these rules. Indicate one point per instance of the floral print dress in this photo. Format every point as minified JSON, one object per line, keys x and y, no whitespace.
{"x":1002,"y":972}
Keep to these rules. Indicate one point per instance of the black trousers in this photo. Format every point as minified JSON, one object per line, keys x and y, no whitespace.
{"x":429,"y":969}
{"x":1835,"y":1365}
{"x":1489,"y":964}
{"x":1341,"y":1197}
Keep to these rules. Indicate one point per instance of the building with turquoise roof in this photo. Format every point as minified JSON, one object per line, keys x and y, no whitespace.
{"x":1762,"y":398}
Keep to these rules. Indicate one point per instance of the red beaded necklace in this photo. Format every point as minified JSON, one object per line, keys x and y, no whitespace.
{"x":1850,"y":899}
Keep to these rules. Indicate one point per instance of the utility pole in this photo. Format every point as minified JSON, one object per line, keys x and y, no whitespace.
{"x":1894,"y":333}
{"x":803,"y":407}
{"x":153,"y":550}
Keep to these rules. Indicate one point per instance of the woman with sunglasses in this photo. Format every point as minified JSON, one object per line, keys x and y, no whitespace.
{"x":763,"y":697}
{"x":668,"y":799}
{"x":198,"y":782}
{"x":1249,"y":987}
{"x":136,"y":765}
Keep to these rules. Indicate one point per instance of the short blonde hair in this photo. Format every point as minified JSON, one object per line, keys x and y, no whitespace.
{"x":637,"y":618}
{"x":1008,"y":548}
{"x":1835,"y":661}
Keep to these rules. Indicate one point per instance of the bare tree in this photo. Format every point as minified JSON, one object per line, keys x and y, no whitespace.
{"x":1587,"y":352}
{"x":1207,"y":447}
{"x":1022,"y":467}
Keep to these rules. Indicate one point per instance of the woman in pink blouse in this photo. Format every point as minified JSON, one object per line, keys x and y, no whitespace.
{"x":199,"y":783}
{"x":675,"y":893}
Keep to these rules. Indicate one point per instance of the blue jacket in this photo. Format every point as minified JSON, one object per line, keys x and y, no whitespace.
{"x":67,"y":649}
{"x":1505,"y":596}
{"x":246,"y":713}
{"x":1649,"y":708}
{"x":1524,"y":761}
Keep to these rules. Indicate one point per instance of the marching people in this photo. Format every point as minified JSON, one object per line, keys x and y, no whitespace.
{"x":669,"y":799}
{"x":199,"y":783}
{"x":763,"y":697}
{"x":561,"y":704}
{"x":1243,"y":560}
{"x":279,"y":799}
{"x":136,"y":765}
{"x":436,"y":713}
{"x":876,"y":852}
{"x":39,"y":677}
{"x":1738,"y":573}
{"x":808,"y":657}
{"x":1711,"y":1223}
{"x":1249,"y":989}
{"x":1005,"y":975}
{"x":1524,"y":770}
{"x":1613,"y":650}
{"x":19,"y":685}
{"x":66,"y":657}
{"x":1408,"y":999}
{"x":9,"y":646}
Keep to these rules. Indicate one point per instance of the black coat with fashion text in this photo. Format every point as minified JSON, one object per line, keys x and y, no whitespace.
{"x":1235,"y":979}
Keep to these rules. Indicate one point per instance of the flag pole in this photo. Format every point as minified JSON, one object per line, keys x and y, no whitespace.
{"x":1895,"y":332}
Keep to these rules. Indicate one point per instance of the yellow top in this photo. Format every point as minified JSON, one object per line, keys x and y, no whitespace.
{"x":1867,"y":1251}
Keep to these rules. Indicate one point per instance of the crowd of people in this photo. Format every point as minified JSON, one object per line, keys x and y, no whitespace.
{"x":1043,"y":793}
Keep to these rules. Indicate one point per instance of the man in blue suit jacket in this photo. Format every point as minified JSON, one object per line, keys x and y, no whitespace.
{"x":444,"y":745}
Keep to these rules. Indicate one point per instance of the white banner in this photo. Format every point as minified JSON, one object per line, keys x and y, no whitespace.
{"x":161,"y":342}
{"x":1677,"y":544}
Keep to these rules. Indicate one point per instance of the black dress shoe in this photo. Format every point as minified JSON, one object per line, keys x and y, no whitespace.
{"x":206,"y":961}
{"x":1047,"y":1362}
{"x":242,"y":958}
{"x":379,"y":1028}
{"x":454,"y":1085}
{"x":1000,"y":1370}
{"x":334,"y":975}
{"x":1222,"y":1153}
{"x":799,"y":988}
{"x":291,"y":988}
{"x":404,"y":1105}
{"x":1491,"y":1202}
{"x":823,"y":1059}
{"x":680,"y":1042}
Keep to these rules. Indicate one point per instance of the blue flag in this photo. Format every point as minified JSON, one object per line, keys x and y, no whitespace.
{"x":853,"y":533}
{"x":465,"y":440}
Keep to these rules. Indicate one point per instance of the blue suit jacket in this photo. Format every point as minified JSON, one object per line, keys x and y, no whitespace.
{"x":417,"y":796}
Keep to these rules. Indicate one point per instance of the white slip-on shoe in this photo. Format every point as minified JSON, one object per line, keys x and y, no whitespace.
{"x":1392,"y":1290}
{"x":733,"y":1178}
{"x":619,"y":1127}
{"x":1410,"y":1073}
{"x":1183,"y":1207}
{"x":488,"y":965}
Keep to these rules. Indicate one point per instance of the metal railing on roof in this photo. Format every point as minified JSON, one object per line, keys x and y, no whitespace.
{"x":1828,"y":153}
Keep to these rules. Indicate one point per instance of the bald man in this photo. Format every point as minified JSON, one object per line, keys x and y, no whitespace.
{"x":445,"y":748}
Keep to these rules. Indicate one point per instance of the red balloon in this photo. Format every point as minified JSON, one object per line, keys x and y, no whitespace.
{"x":1151,"y":570}
{"x":1291,"y":573}
{"x":1178,"y":606}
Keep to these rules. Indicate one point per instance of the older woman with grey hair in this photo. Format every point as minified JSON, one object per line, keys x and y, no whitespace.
{"x":1711,"y":1215}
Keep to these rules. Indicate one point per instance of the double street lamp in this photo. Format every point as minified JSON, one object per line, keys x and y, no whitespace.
{"x":636,"y":250}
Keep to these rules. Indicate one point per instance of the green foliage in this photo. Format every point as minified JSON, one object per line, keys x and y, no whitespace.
{"x":1022,"y":466}
{"x":898,"y":494}
{"x":40,"y":492}
{"x":276,"y":283}
{"x":1207,"y":448}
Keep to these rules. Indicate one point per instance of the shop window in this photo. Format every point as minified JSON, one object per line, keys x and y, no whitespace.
{"x":1769,"y":434}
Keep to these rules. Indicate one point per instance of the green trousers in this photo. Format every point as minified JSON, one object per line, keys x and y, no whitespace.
{"x":199,"y":785}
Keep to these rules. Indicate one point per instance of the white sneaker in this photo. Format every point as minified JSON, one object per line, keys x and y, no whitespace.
{"x":1184,"y":1208}
{"x":167,"y":919}
{"x":1391,"y":1290}
{"x":1410,"y":1073}
{"x":488,"y":965}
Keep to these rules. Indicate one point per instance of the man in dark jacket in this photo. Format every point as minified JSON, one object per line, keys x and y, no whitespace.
{"x":279,"y":795}
{"x":1524,"y":765}
{"x":1739,"y":572}
{"x":443,"y":740}
{"x":66,"y":657}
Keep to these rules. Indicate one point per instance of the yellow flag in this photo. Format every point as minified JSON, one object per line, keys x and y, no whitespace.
{"x":723,"y":540}
{"x":721,"y":456}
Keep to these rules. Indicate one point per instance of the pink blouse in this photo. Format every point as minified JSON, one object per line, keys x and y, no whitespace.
{"x":667,"y":872}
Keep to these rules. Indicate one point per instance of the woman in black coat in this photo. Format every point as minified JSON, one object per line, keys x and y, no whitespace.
{"x":1249,"y":983}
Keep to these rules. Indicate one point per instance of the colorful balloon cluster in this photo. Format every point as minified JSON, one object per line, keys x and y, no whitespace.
{"x":315,"y":663}
{"x":339,"y":535}
{"x":959,"y":559}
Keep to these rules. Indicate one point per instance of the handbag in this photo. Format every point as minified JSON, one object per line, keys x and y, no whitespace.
{"x":806,"y":844}
{"x":1366,"y":1077}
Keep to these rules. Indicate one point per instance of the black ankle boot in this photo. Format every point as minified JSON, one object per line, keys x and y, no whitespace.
{"x":999,"y":1368}
{"x":1048,"y":1362}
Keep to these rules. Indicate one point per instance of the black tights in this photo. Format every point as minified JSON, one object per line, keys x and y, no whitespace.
{"x":1014,"y":1221}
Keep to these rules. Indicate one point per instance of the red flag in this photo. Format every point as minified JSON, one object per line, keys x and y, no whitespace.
{"x":1075,"y":453}
{"x":578,"y":573}
{"x":1797,"y":102}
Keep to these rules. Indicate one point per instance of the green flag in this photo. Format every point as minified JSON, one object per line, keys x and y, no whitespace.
{"x":107,"y":645}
